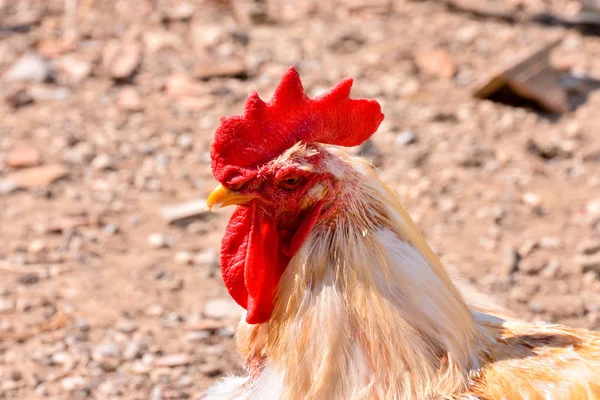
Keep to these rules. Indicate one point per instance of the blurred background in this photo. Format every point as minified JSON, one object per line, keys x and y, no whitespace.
{"x":109,"y":275}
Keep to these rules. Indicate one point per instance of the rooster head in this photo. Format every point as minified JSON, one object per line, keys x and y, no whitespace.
{"x":271,"y":164}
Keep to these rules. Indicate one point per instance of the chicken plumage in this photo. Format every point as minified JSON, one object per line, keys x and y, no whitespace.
{"x":345,"y":299}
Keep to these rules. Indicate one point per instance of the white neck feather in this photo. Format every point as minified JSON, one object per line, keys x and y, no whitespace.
{"x":366,"y":311}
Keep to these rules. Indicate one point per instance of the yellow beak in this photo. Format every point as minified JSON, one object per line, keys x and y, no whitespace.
{"x":222,"y":197}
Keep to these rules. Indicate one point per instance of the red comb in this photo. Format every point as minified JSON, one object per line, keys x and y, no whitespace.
{"x":245,"y":142}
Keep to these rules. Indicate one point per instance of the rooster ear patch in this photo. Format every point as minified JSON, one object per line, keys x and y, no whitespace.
{"x":243,"y":143}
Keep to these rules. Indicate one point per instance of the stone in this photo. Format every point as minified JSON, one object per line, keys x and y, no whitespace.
{"x":436,"y":62}
{"x":589,"y":262}
{"x":589,"y":247}
{"x":405,"y":138}
{"x":31,"y":67}
{"x":125,"y":326}
{"x":172,"y":360}
{"x":121,"y":59}
{"x":222,"y":309}
{"x":23,"y":156}
{"x":533,"y":263}
{"x":157,"y":241}
{"x":103,"y":162}
{"x":37,"y":176}
{"x":206,"y":257}
{"x":129,"y":100}
{"x":184,"y":257}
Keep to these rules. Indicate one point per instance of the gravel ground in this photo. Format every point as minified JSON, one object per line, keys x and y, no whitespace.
{"x":106,"y":120}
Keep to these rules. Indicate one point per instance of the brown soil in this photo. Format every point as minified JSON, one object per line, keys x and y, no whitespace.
{"x":101,"y":298}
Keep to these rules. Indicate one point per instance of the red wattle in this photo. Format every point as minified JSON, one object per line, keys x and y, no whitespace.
{"x":252,"y":262}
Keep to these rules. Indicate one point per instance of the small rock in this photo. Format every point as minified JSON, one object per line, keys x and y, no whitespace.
{"x":108,"y":355}
{"x":197,"y":336}
{"x":173,"y":360}
{"x":185,"y":141}
{"x":230,"y":68}
{"x":184,"y":257}
{"x":29,"y":278}
{"x":511,"y":261}
{"x":125,"y":326}
{"x":73,"y":383}
{"x":155,"y":310}
{"x":174,"y":213}
{"x":157,"y":393}
{"x":527,"y":247}
{"x":36,"y":246}
{"x":23,"y":156}
{"x":226,"y":331}
{"x":102,"y":162}
{"x":6,"y":305}
{"x":593,"y":208}
{"x":436,"y":62}
{"x":222,"y":309}
{"x":589,"y":247}
{"x":75,"y":70}
{"x":180,"y":12}
{"x":18,"y":97}
{"x":179,"y":86}
{"x":63,"y":358}
{"x":207,"y":257}
{"x":405,"y":138}
{"x":590,"y":262}
{"x":130,"y":100}
{"x":121,"y":59}
{"x":211,"y":370}
{"x":551,"y":269}
{"x":110,"y":229}
{"x":532,"y":199}
{"x":550,"y":243}
{"x":533,"y":263}
{"x":134,"y":349}
{"x":157,"y":241}
{"x":37,"y":176}
{"x":7,"y":186}
{"x":31,"y":67}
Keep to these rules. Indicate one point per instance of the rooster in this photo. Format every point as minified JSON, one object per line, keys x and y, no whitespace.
{"x":344,"y":299}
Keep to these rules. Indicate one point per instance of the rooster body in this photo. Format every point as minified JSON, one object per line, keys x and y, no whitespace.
{"x":363,"y":309}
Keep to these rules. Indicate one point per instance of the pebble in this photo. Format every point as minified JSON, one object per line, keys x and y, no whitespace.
{"x":102,"y":162}
{"x":532,"y":199}
{"x":172,"y":360}
{"x":511,"y":261}
{"x":197,"y":336}
{"x":23,"y":156}
{"x":36,"y":246}
{"x":6,"y":305}
{"x":155,"y":310}
{"x":222,"y":309}
{"x":31,"y":67}
{"x":134,"y":349}
{"x":184,"y":257}
{"x":121,"y":59}
{"x":108,"y":355}
{"x":533,"y":263}
{"x":206,"y":257}
{"x":405,"y":138}
{"x":589,"y":262}
{"x":185,"y":141}
{"x":73,"y":383}
{"x":157,"y":241}
{"x":7,"y":186}
{"x":589,"y":247}
{"x":129,"y":100}
{"x":125,"y":326}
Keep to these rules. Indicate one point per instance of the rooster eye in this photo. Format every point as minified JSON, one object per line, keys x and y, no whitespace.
{"x":290,"y":182}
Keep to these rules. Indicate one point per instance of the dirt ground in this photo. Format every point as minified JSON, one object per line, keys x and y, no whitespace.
{"x":107,"y":116}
